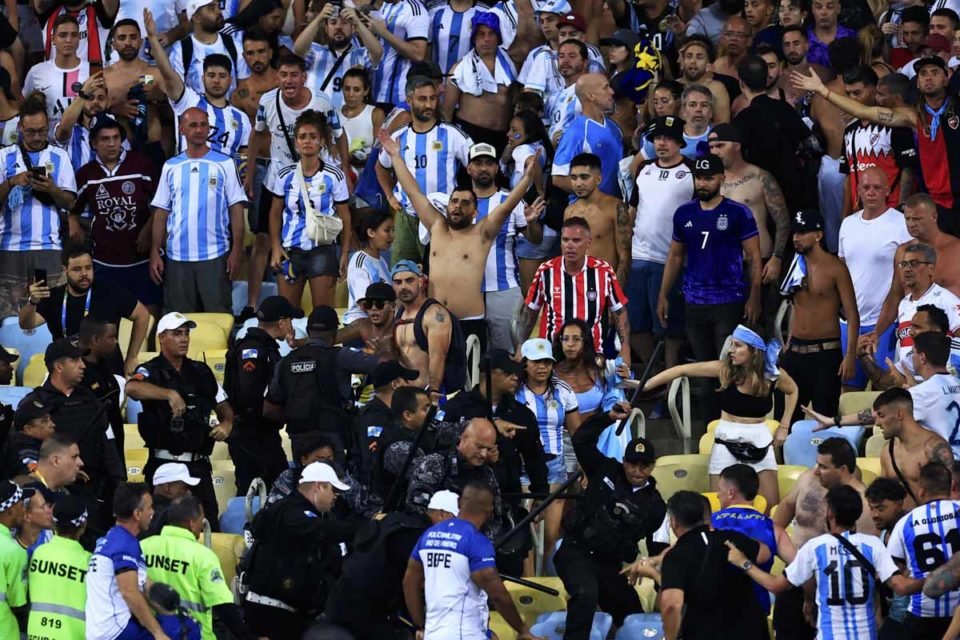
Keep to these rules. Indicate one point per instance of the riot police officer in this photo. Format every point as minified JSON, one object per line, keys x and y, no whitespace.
{"x":77,"y":413}
{"x":178,"y":396}
{"x":255,"y":443}
{"x":295,"y":558}
{"x":621,"y":507}
{"x":311,"y":388}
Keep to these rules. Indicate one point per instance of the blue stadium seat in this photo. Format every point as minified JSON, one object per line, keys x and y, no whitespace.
{"x":553,"y":625}
{"x":13,"y":395}
{"x":641,"y":626}
{"x":26,"y":342}
{"x":801,"y":446}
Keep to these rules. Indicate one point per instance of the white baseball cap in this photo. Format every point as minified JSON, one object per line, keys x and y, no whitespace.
{"x":445,"y":501}
{"x":195,"y":5}
{"x":537,"y":349}
{"x":322,"y":472}
{"x":174,"y":320}
{"x":172,"y":472}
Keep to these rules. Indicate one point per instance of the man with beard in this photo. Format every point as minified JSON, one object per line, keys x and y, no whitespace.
{"x":735,"y":40}
{"x":229,"y":126}
{"x":720,"y":240}
{"x":820,"y":286}
{"x":435,"y":149}
{"x":327,"y":63}
{"x":54,"y":78}
{"x":73,"y":130}
{"x":563,"y":106}
{"x":62,"y":308}
{"x":187,"y":55}
{"x":794,"y":47}
{"x":938,"y":142}
{"x":608,"y":216}
{"x":696,"y":56}
{"x":458,"y":247}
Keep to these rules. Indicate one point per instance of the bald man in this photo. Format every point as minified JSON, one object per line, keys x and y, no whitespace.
{"x":591,"y":132}
{"x":203,"y":252}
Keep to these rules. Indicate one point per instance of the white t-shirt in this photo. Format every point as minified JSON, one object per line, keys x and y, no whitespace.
{"x":868,"y":247}
{"x":936,"y":406}
{"x":56,"y":84}
{"x":938,"y":297}
{"x":658,"y":193}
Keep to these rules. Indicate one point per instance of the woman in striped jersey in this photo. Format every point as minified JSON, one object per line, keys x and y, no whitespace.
{"x":558,"y":415}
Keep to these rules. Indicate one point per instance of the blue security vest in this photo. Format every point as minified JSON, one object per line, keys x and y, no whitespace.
{"x":757,"y":526}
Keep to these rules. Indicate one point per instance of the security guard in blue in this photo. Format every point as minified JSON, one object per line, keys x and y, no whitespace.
{"x":255,"y":443}
{"x":178,"y":396}
{"x":737,"y":490}
{"x":311,"y":386}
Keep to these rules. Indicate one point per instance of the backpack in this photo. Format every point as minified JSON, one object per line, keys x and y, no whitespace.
{"x":455,"y":369}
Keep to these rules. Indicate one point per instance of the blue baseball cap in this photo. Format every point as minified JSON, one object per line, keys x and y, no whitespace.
{"x":403,"y":266}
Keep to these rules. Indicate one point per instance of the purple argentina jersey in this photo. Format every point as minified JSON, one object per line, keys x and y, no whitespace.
{"x":713,"y":241}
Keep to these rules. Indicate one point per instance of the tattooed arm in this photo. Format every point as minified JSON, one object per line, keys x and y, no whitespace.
{"x":624,"y":236}
{"x":437,"y":326}
{"x":777,"y":208}
{"x":944,"y":579}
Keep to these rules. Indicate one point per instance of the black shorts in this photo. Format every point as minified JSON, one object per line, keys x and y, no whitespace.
{"x":319,"y":261}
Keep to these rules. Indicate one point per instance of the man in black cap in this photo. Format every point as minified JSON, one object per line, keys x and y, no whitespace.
{"x":815,"y":352}
{"x":255,"y":443}
{"x":77,"y":413}
{"x":621,"y":507}
{"x":376,"y":330}
{"x":719,"y":239}
{"x":662,"y":185}
{"x":32,"y":425}
{"x":311,"y":387}
{"x":368,"y":427}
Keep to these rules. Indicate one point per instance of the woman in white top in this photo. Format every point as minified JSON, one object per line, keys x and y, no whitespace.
{"x":295,"y":254}
{"x":361,"y":121}
{"x":525,"y":137}
{"x":375,"y":231}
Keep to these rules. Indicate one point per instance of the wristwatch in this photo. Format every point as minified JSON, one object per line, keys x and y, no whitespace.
{"x":746,"y":566}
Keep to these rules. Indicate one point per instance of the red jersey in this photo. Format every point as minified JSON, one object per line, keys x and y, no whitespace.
{"x":892,"y":149}
{"x":588,"y":296}
{"x":118,"y":201}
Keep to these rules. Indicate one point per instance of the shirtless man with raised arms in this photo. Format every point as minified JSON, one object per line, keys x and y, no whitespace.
{"x":608,"y":217}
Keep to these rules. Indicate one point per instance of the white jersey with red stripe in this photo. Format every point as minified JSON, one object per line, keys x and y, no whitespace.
{"x":938,"y":297}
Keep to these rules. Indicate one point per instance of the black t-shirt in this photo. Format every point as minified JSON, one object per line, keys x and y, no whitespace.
{"x":718,"y":596}
{"x":107,"y":302}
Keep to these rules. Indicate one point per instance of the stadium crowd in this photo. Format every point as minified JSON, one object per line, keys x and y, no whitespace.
{"x":403,"y":274}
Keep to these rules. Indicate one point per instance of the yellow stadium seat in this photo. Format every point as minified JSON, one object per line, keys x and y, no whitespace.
{"x":216,"y":359}
{"x":36,"y":371}
{"x":773,"y":425}
{"x":759,"y":502}
{"x":706,"y":444}
{"x":131,"y":438}
{"x":220,"y":451}
{"x":124,"y":331}
{"x":224,"y":482}
{"x":206,"y":336}
{"x":869,"y":464}
{"x":875,"y":445}
{"x":229,"y":548}
{"x":13,"y":352}
{"x":531,"y":603}
{"x":136,"y":460}
{"x":683,"y":472}
{"x":787,"y":476}
{"x":223,"y":320}
{"x":857,"y":401}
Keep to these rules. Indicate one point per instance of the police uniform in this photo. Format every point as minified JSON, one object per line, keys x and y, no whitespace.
{"x":13,"y":564}
{"x":293,"y":564}
{"x":603,"y":530}
{"x":185,"y":439}
{"x":312,"y":382}
{"x":255,"y":442}
{"x":57,"y":580}
{"x":176,"y":558}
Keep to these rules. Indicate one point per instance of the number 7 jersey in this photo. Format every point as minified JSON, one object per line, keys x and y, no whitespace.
{"x":925,"y":539}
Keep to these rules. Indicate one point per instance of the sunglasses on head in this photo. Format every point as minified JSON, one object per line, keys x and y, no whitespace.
{"x":373,"y":304}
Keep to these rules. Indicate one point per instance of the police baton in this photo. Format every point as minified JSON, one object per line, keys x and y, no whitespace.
{"x":395,"y":489}
{"x":530,"y":584}
{"x":640,"y":383}
{"x":527,"y":519}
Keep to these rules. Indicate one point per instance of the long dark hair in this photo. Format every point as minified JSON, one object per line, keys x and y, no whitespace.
{"x":588,"y":355}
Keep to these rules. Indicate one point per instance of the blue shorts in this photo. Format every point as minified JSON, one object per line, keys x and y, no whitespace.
{"x":886,"y":347}
{"x":643,"y":288}
{"x":135,"y":279}
{"x":556,"y":472}
{"x":549,"y":247}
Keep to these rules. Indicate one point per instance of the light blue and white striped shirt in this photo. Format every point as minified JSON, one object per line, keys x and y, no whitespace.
{"x":198,"y":194}
{"x":362,"y":271}
{"x":229,"y":126}
{"x":407,"y":20}
{"x":450,"y":32}
{"x":925,"y":539}
{"x":326,"y":189}
{"x":501,"y":271}
{"x":551,"y":410}
{"x":27,"y":224}
{"x":433,"y":158}
{"x":321,"y":60}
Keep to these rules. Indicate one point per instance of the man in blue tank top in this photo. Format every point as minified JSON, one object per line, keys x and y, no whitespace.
{"x":737,"y":490}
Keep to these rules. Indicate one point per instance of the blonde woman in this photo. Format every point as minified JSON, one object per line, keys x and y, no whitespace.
{"x":748,"y":376}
